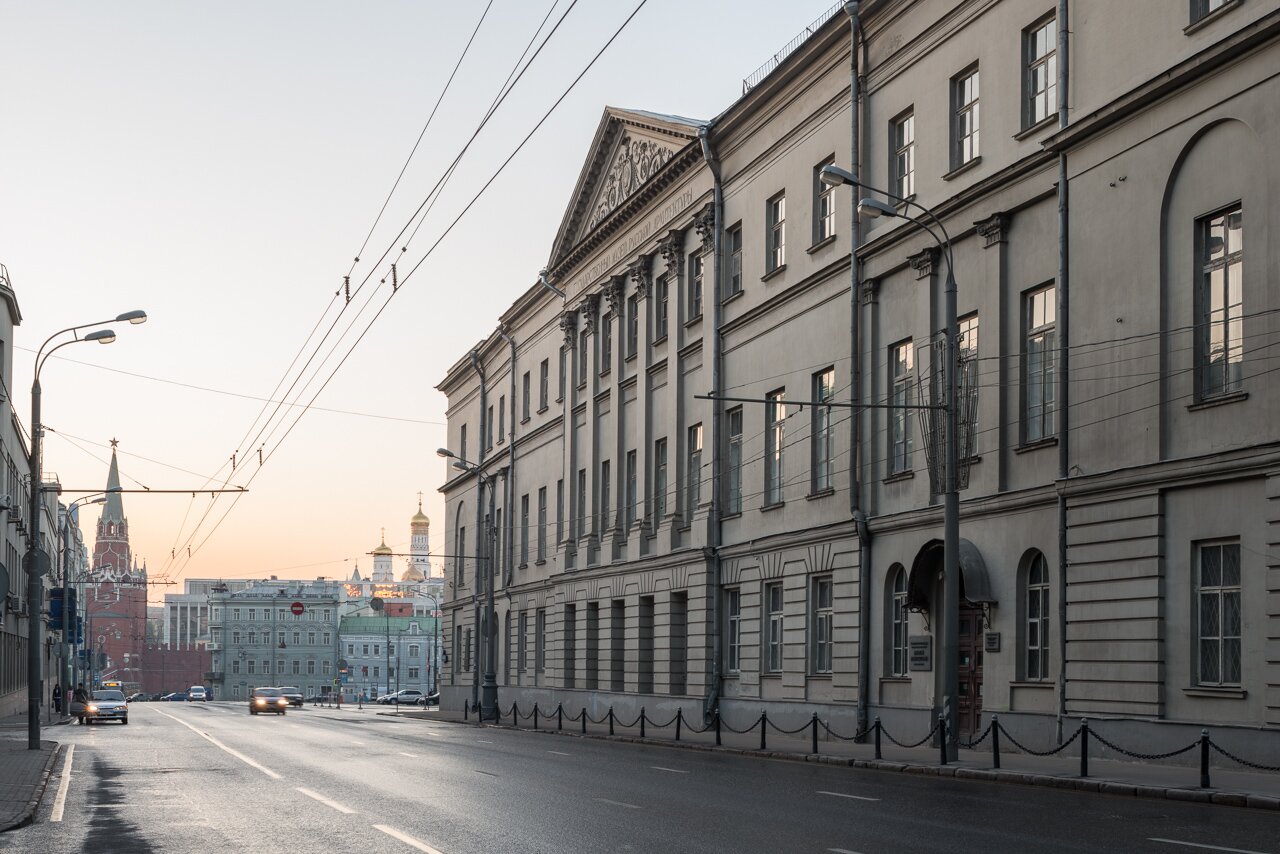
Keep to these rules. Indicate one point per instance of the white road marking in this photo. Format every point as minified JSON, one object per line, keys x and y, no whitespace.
{"x":410,"y":755}
{"x":436,"y":734}
{"x":61,"y":801}
{"x":1206,"y":847}
{"x":407,"y":839}
{"x":617,"y":803}
{"x":237,"y":754}
{"x":559,"y":753}
{"x":850,"y":797}
{"x":322,"y":799}
{"x":668,"y":770}
{"x":842,"y":851}
{"x":482,"y":741}
{"x":356,"y":743}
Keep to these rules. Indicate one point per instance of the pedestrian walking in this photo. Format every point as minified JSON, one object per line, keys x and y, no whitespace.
{"x":57,"y":699}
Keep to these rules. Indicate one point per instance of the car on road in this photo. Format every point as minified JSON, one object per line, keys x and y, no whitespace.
{"x":432,"y":699}
{"x":105,"y":705}
{"x":175,"y":697}
{"x":267,"y":700}
{"x":292,"y":694}
{"x":407,"y":697}
{"x":197,"y":693}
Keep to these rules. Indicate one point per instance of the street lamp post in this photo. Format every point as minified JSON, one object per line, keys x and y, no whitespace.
{"x":36,"y":558}
{"x":872,"y":208}
{"x":489,"y":687}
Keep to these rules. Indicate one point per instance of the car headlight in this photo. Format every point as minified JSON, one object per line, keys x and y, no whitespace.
{"x":261,"y":702}
{"x":93,"y":708}
{"x":282,"y":701}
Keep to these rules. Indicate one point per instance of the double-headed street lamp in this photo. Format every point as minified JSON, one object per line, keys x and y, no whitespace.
{"x":489,"y":686}
{"x":36,"y":559}
{"x":871,"y":208}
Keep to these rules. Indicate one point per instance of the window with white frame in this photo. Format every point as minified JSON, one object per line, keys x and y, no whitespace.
{"x":1040,"y":62}
{"x":1220,"y":250}
{"x":544,"y":385}
{"x":1037,"y":627}
{"x":824,"y":205}
{"x":632,"y":497}
{"x":522,"y":641}
{"x":822,"y":438}
{"x":773,"y":641}
{"x":898,"y":621}
{"x":732,"y":631}
{"x":661,"y":293}
{"x":967,"y":349}
{"x":580,"y":517}
{"x":1203,"y":8}
{"x":1039,"y":363}
{"x":902,"y":370}
{"x":902,"y":147}
{"x":502,"y":418}
{"x":1218,"y":616}
{"x":697,"y":268}
{"x":822,"y":613}
{"x":733,"y":454}
{"x":734,"y":241}
{"x":526,"y":391}
{"x":693,"y":473}
{"x":542,"y":523}
{"x":524,"y":529}
{"x":659,"y":481}
{"x":606,"y":343}
{"x":775,"y":430}
{"x":965,"y":119}
{"x":633,"y":325}
{"x":606,"y":496}
{"x":584,"y":342}
{"x":235,"y":665}
{"x":775,"y":233}
{"x":414,"y":650}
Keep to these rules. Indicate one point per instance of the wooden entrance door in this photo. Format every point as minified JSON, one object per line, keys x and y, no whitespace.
{"x":969,"y":705}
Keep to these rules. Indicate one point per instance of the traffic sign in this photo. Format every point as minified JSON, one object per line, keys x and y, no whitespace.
{"x":296,"y":608}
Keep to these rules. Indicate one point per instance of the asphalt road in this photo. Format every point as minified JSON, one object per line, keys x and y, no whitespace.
{"x":209,"y":777}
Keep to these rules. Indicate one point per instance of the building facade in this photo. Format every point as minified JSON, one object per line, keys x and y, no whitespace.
{"x":1092,"y":169}
{"x":385,"y":653}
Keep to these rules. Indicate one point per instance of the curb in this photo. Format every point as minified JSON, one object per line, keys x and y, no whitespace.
{"x":38,"y":793}
{"x":986,"y":775}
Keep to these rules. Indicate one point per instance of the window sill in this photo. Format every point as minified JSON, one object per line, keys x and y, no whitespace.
{"x":899,"y":680}
{"x":898,"y":476}
{"x":776,"y":271}
{"x":737,"y":514}
{"x":821,"y":244}
{"x":731,"y":297}
{"x":662,"y":339}
{"x":1047,"y":122}
{"x":542,"y":562}
{"x":771,"y":674}
{"x":1208,"y":19}
{"x":693,"y":321}
{"x":544,"y":407}
{"x":606,"y":372}
{"x":1027,"y":447}
{"x":905,"y":203}
{"x":1225,"y":693}
{"x":777,"y":505}
{"x":560,"y":399}
{"x":1219,"y":400}
{"x":632,"y":357}
{"x":1045,"y":685}
{"x":524,"y":565}
{"x":525,"y":420}
{"x":821,"y":493}
{"x":825,"y":677}
{"x":731,"y":674}
{"x":971,"y":163}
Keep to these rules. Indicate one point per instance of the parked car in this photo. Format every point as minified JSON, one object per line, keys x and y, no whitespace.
{"x":428,"y":699}
{"x":264,"y":700}
{"x":139,"y":697}
{"x":395,"y":698}
{"x":105,"y":705}
{"x":197,"y":693}
{"x":175,"y":697}
{"x":292,"y":694}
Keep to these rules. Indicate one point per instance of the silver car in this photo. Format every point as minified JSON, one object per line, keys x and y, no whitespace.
{"x":106,"y":705}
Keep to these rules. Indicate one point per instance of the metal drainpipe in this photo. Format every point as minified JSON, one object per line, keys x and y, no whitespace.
{"x":511,"y":467}
{"x":1064,"y":387}
{"x":855,"y":379}
{"x":717,"y":410}
{"x":480,"y":543}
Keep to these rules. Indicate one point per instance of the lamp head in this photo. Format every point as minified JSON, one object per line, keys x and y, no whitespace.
{"x":135,"y":317}
{"x":461,"y":466}
{"x":834,"y":176}
{"x":872,"y":209}
{"x":445,"y":452}
{"x":102,"y":336}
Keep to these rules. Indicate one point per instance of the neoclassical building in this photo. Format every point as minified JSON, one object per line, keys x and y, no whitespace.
{"x":676,"y":516}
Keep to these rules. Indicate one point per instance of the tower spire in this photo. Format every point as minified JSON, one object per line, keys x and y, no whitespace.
{"x":113,"y":510}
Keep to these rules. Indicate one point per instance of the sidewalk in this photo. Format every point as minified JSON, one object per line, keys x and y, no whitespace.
{"x":23,"y":773}
{"x":1232,"y":786}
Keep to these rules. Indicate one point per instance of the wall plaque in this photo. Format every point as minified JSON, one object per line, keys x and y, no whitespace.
{"x":921,"y":652}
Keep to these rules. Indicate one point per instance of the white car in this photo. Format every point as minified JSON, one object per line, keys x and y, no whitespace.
{"x":197,"y":693}
{"x":106,"y":705}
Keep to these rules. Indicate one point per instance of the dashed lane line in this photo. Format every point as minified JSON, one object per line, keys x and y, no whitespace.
{"x":1204,"y":847}
{"x":410,"y":755}
{"x":237,"y":754}
{"x":668,"y":770}
{"x":850,"y":797}
{"x":322,"y":799}
{"x":407,"y":839}
{"x":559,"y":753}
{"x":618,"y":803}
{"x":841,"y":851}
{"x":60,"y":803}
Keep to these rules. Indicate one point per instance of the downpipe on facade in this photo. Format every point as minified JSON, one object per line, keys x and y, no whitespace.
{"x":712,"y":700}
{"x":480,"y":544}
{"x":509,"y":571}
{"x":1064,"y":387}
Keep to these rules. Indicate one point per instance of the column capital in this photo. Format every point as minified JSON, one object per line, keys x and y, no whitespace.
{"x":672,"y":249}
{"x":569,"y":326}
{"x":613,"y":292}
{"x":924,"y":261}
{"x":705,"y":223}
{"x":641,"y":273}
{"x":994,"y":229}
{"x":590,"y":307}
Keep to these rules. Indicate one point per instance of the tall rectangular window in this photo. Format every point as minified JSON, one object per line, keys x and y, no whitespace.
{"x":1040,"y":80}
{"x":1220,"y":247}
{"x":733,"y":284}
{"x":569,"y":645}
{"x":822,"y":611}
{"x":525,"y":401}
{"x":633,"y":325}
{"x":1202,"y":8}
{"x":732,"y":631}
{"x":696,"y":269}
{"x":1037,"y":634}
{"x":775,"y":428}
{"x":902,"y":367}
{"x":1218,"y":623}
{"x":524,"y":529}
{"x":618,"y":645}
{"x":560,"y":510}
{"x":488,"y":430}
{"x":733,"y":455}
{"x":542,"y":523}
{"x":462,"y":441}
{"x":544,"y":384}
{"x":967,"y":348}
{"x":902,"y":145}
{"x":773,"y":638}
{"x":693,"y":473}
{"x":632,"y":486}
{"x":606,"y":496}
{"x":606,"y":343}
{"x":822,"y":441}
{"x":661,"y":291}
{"x":964,"y":119}
{"x":522,"y":642}
{"x":775,"y":233}
{"x":563,"y":366}
{"x":659,"y":481}
{"x":540,"y":639}
{"x":824,"y":205}
{"x":580,"y":518}
{"x":583,"y":343}
{"x":678,"y":639}
{"x":898,"y":623}
{"x":1039,"y":361}
{"x":592,"y":664}
{"x":502,"y":418}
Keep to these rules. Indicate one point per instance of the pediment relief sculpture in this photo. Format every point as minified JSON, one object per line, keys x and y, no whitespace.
{"x":636,"y":161}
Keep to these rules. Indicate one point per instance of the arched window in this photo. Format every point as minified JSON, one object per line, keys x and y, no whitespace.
{"x":459,"y":549}
{"x":1036,"y":637}
{"x":896,"y":621}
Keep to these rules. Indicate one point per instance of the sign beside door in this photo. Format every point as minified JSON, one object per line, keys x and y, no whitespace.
{"x":921,"y":652}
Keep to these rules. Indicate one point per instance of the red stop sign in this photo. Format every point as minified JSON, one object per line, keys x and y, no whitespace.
{"x":296,"y":608}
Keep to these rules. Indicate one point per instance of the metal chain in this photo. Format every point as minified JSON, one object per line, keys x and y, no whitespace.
{"x":739,"y":731}
{"x":834,"y":734}
{"x":617,"y":720}
{"x":799,"y":729}
{"x":927,"y":736}
{"x":969,"y":745}
{"x":1025,"y":749}
{"x":1192,"y":746}
{"x":662,"y":726}
{"x":1244,"y":762}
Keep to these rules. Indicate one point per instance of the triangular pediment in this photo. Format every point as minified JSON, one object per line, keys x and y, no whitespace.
{"x":629,"y":149}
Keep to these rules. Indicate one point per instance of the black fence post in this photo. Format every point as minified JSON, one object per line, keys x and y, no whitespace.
{"x":535,"y":715}
{"x":764,"y":726}
{"x":1204,"y":758}
{"x":679,"y":721}
{"x":1084,"y":747}
{"x":642,"y":721}
{"x":995,"y":741}
{"x":942,"y":741}
{"x":466,"y":709}
{"x":515,"y":713}
{"x":815,"y":732}
{"x":559,"y":716}
{"x":584,"y":720}
{"x":717,"y":714}
{"x":877,"y":736}
{"x":611,"y":720}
